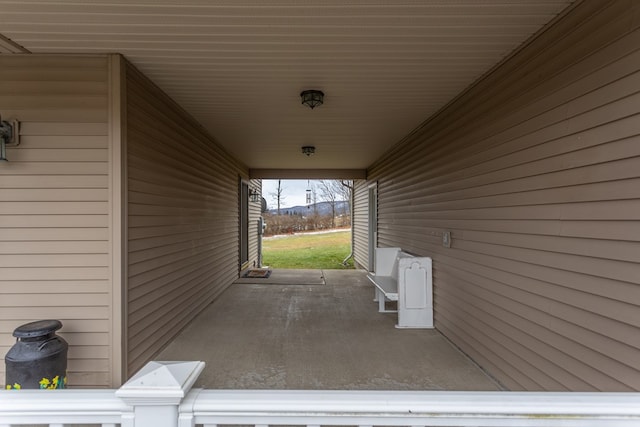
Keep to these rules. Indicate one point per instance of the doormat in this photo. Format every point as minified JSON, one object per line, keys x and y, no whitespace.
{"x":258,"y":273}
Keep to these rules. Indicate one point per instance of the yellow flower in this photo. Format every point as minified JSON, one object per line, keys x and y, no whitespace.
{"x":8,"y":387}
{"x":44,"y":383}
{"x":17,"y":386}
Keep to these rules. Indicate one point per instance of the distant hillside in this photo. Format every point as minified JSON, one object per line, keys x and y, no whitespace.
{"x":323,"y":208}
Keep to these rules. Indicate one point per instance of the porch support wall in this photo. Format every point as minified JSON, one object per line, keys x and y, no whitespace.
{"x":535,"y":172}
{"x":360,"y":227}
{"x":255,"y":211}
{"x":183,"y":219}
{"x":56,"y":219}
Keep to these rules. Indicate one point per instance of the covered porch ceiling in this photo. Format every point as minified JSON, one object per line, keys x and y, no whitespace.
{"x":238,"y":66}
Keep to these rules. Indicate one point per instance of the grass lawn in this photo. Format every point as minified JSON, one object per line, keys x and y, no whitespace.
{"x":322,"y":251}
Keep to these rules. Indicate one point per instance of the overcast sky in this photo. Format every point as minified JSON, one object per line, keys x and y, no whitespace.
{"x":294,"y":192}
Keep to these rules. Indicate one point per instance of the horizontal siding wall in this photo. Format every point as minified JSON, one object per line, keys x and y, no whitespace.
{"x":255,"y":211}
{"x":535,"y":171}
{"x":183,"y":213}
{"x":361,"y":223}
{"x":54,"y":207}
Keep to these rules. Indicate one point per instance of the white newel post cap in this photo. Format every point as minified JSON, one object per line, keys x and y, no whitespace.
{"x":160,"y":383}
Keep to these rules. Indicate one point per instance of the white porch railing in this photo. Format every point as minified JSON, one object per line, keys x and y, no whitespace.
{"x":161,"y":396}
{"x":60,"y":407}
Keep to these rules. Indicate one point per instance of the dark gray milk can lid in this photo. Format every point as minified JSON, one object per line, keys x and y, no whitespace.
{"x":37,"y":329}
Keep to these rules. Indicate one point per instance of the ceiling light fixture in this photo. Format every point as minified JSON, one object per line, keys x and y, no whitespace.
{"x":308,"y":150}
{"x":312,"y":98}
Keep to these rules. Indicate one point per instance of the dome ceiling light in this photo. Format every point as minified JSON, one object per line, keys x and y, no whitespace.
{"x":312,"y":98}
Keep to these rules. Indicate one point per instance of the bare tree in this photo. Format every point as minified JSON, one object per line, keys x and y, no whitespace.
{"x":314,"y":198}
{"x":346,"y":193}
{"x":332,"y":191}
{"x":278,"y":195}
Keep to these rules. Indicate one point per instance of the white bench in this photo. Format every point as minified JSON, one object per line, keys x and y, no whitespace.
{"x":407,"y":279}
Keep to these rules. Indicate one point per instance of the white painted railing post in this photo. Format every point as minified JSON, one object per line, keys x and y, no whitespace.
{"x":156,"y":391}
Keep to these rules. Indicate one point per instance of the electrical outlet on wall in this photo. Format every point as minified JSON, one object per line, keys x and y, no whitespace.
{"x":446,"y":239}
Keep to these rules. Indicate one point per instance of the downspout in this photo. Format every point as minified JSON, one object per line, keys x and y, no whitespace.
{"x":351,"y":203}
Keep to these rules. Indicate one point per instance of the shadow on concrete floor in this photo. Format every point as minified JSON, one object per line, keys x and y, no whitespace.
{"x":271,"y":336}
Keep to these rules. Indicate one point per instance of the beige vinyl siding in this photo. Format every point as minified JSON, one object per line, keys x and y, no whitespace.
{"x":183,"y":219}
{"x":536,"y":173}
{"x":54,"y":207}
{"x":255,"y":211}
{"x":360,"y":227}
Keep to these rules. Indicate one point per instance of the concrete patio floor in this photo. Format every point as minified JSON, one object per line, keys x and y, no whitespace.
{"x":264,"y":335}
